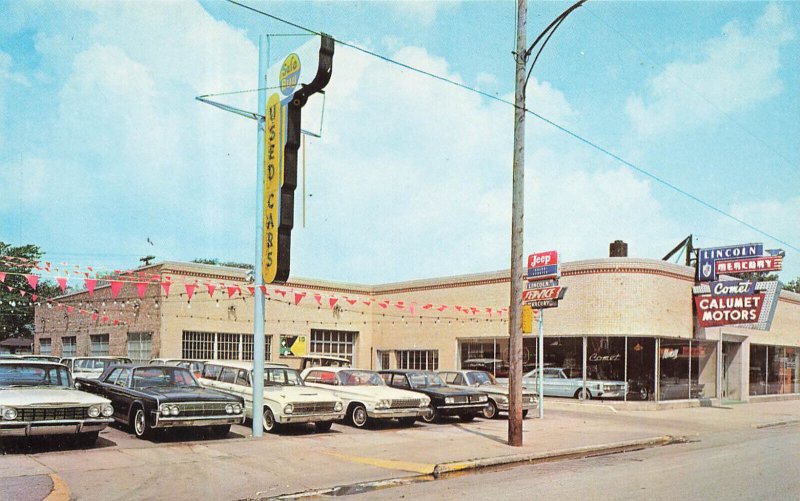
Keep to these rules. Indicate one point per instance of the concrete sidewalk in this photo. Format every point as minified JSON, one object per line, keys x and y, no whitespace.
{"x":240,"y":468}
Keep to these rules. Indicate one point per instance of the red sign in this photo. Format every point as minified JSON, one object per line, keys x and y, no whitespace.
{"x":549,"y":258}
{"x":548,"y":293}
{"x":748,"y":265}
{"x":728,"y":310}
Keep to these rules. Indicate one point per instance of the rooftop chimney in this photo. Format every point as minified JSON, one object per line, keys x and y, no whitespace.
{"x":618,"y":248}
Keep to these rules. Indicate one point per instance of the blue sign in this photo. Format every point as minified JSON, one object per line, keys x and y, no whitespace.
{"x":706,"y":258}
{"x":542,"y":284}
{"x":542,"y":272}
{"x":733,"y":288}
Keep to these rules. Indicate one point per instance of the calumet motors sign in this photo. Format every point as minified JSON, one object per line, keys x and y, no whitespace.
{"x":732,"y":301}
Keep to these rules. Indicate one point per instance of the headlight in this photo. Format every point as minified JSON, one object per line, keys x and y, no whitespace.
{"x":9,"y":413}
{"x":174,"y":410}
{"x":449,"y":400}
{"x":229,"y":409}
{"x":482,"y":398}
{"x":288,"y":409}
{"x":164,"y":409}
{"x":94,"y":411}
{"x":107,"y":410}
{"x":425,"y":402}
{"x":502,"y":399}
{"x":383,"y":404}
{"x":237,"y":409}
{"x":338,"y":407}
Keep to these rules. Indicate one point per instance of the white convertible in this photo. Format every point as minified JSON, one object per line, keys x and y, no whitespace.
{"x":366,"y":396}
{"x":286,"y":398}
{"x":38,"y":398}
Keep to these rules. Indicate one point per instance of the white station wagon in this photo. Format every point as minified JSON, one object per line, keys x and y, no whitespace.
{"x":366,"y":396}
{"x":38,"y":398}
{"x":286,"y":399}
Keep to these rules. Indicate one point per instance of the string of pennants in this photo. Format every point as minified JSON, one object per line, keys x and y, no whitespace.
{"x":141,"y":281}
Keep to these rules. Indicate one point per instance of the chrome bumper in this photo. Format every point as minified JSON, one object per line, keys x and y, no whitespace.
{"x":450,"y":409}
{"x":310,"y":418}
{"x":526,"y":406}
{"x":176,"y":421}
{"x":396,"y":413}
{"x":52,"y":427}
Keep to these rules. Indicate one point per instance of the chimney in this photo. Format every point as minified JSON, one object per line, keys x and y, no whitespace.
{"x":618,"y":248}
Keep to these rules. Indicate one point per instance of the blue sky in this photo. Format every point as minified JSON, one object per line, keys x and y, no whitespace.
{"x":103,"y":146}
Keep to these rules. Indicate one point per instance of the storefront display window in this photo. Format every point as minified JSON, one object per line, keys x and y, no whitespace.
{"x":491,"y":355}
{"x":605,"y":358}
{"x":781,"y":372}
{"x":641,"y":368}
{"x":565,"y":353}
{"x":703,"y":369}
{"x":673,"y":359}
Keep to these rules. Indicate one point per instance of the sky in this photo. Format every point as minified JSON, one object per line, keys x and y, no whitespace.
{"x":106,"y":156}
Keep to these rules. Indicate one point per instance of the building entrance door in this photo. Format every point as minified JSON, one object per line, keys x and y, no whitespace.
{"x":731,"y":371}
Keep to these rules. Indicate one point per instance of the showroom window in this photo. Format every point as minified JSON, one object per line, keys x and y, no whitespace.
{"x":333,"y":343}
{"x":221,"y":346}
{"x":140,"y":346}
{"x":383,"y":359}
{"x":69,"y":346}
{"x":426,"y":360}
{"x":98,"y":345}
{"x":491,"y":355}
{"x":45,"y":346}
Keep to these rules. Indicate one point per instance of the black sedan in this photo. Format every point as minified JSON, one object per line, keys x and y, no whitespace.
{"x":445,"y":400}
{"x":146,"y":397}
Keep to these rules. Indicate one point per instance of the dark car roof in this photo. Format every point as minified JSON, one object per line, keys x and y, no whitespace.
{"x":405,"y":371}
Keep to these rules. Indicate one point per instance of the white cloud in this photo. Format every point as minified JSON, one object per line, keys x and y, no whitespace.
{"x":729,"y":74}
{"x":420,"y":12}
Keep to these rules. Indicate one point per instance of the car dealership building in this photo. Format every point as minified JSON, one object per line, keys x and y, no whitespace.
{"x":625,"y":319}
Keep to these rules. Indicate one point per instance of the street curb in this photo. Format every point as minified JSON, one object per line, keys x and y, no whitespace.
{"x":786,"y":422}
{"x":577,"y":452}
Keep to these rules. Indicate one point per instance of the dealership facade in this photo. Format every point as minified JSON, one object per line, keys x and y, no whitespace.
{"x":623,"y":319}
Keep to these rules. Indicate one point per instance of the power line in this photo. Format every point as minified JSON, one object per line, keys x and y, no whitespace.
{"x":533,"y":113}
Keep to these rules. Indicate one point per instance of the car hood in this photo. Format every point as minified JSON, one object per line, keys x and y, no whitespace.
{"x":57,"y":397}
{"x":187,"y":394}
{"x":299,"y":394}
{"x":449,"y":391}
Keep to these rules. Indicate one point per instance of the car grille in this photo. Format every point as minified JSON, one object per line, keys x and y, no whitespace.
{"x":51,"y":413}
{"x":614,"y":387}
{"x":460,"y":399}
{"x":528,"y":398}
{"x":312,"y":407}
{"x":405,"y":403}
{"x":476,"y":398}
{"x":200,"y":409}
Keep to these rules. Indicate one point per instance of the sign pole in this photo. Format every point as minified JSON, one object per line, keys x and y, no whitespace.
{"x":541,"y":363}
{"x":259,"y":306}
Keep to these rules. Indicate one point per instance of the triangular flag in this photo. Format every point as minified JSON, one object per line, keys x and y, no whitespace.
{"x":62,"y":282}
{"x":232,"y":290}
{"x":104,"y":319}
{"x":318,"y":299}
{"x":332,"y":301}
{"x":90,"y":283}
{"x":263,"y":289}
{"x":34,"y":297}
{"x":94,"y":316}
{"x":427,"y":306}
{"x":281,"y":292}
{"x":116,"y":322}
{"x":116,"y":285}
{"x":351,"y":301}
{"x":2,"y":276}
{"x":368,"y":303}
{"x":252,"y":290}
{"x":22,"y":293}
{"x":32,"y":280}
{"x":190,"y":290}
{"x":442,"y":308}
{"x":70,"y":309}
{"x":165,"y":286}
{"x":298,"y":296}
{"x":141,"y":288}
{"x":211,"y":288}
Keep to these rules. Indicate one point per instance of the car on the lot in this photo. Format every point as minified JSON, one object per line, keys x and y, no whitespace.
{"x":42,"y":358}
{"x":494,"y":366}
{"x":366,"y":396}
{"x":466,"y":403}
{"x":38,"y":398}
{"x":497,"y":393}
{"x":307,"y":361}
{"x":91,"y":367}
{"x":557,"y":384}
{"x":148,"y":397}
{"x":196,"y":366}
{"x":287,"y":399}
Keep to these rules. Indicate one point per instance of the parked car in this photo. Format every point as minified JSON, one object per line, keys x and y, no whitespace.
{"x":557,"y":384}
{"x":91,"y":367}
{"x":366,"y":396}
{"x":286,"y":398}
{"x":323,"y":361}
{"x":38,"y":398}
{"x":147,"y":397}
{"x":42,"y":358}
{"x":497,"y":393}
{"x":196,"y":366}
{"x":466,"y":403}
{"x":491,"y":365}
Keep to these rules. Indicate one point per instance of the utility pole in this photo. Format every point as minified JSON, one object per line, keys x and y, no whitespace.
{"x":517,"y":211}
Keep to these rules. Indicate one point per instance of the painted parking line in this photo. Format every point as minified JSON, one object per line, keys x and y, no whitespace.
{"x":389,"y":464}
{"x":60,"y":490}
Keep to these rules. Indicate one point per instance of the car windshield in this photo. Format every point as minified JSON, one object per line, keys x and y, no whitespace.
{"x":480,"y":378}
{"x":16,"y":375}
{"x":425,"y":380}
{"x":356,"y":378}
{"x":146,"y":377}
{"x":282,"y":377}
